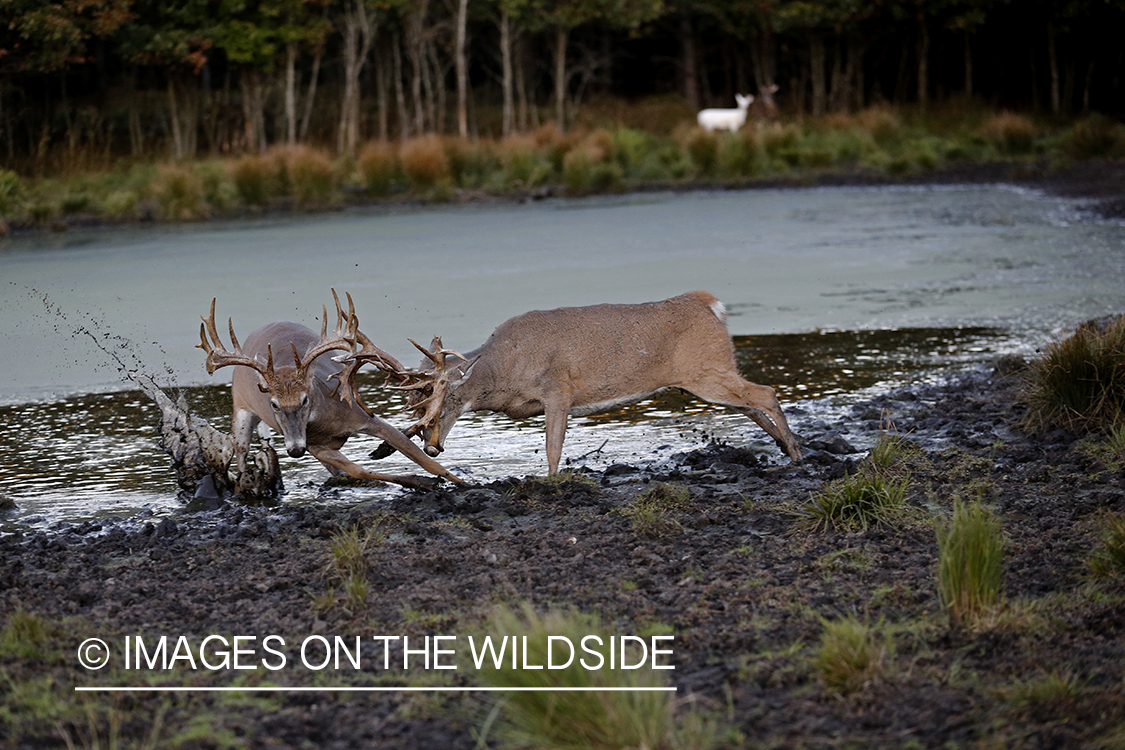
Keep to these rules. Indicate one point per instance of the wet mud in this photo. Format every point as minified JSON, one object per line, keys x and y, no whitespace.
{"x":733,"y":573}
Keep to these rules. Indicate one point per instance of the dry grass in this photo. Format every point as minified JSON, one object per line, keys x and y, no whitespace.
{"x":378,"y":166}
{"x":425,"y":163}
{"x":179,"y":193}
{"x":1010,"y":133}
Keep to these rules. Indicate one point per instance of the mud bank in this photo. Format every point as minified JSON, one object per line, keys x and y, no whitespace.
{"x":731,"y":572}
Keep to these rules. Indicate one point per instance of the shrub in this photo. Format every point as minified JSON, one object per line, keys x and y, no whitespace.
{"x":121,"y":204}
{"x":521,"y":160}
{"x":858,"y":501}
{"x":11,"y":193}
{"x":970,"y":556}
{"x":852,"y":655}
{"x":219,"y":189}
{"x":1079,"y":383}
{"x":378,"y":166}
{"x":424,"y":162}
{"x":703,"y":148}
{"x":1108,"y":560}
{"x":1094,"y":137}
{"x":1010,"y":133}
{"x":882,"y":123}
{"x":587,"y":719}
{"x":179,"y":193}
{"x":472,"y":163}
{"x":739,"y":154}
{"x":305,"y":174}
{"x":253,"y":180}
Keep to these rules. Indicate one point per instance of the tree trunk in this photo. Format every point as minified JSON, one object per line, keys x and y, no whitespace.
{"x":816,"y":69}
{"x":310,"y":95}
{"x":400,"y":93}
{"x":414,"y":23}
{"x":838,"y":93}
{"x":688,"y":62}
{"x":291,"y":93}
{"x":462,"y":71}
{"x":437,"y":89}
{"x":381,"y":71}
{"x":521,"y":82}
{"x":1053,"y":63}
{"x":174,"y":119}
{"x":357,"y":43}
{"x":923,"y":63}
{"x":1085,"y":88}
{"x":562,"y":35}
{"x":506,"y":66}
{"x":968,"y":66}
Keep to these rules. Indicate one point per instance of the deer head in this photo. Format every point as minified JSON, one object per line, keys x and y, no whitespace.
{"x":291,"y":390}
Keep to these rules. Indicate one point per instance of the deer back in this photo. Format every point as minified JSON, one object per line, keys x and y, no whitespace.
{"x":601,"y":354}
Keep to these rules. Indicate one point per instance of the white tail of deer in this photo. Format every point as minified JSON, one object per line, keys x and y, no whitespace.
{"x":584,"y":360}
{"x":300,"y":401}
{"x":726,"y":119}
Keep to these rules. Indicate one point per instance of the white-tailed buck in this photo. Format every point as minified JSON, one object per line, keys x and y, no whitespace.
{"x":300,"y":401}
{"x":584,"y":360}
{"x":764,"y":108}
{"x":726,"y":119}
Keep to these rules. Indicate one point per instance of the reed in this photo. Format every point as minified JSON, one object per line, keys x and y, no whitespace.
{"x":852,"y":654}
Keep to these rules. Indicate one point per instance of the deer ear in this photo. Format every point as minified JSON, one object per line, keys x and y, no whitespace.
{"x":263,"y":385}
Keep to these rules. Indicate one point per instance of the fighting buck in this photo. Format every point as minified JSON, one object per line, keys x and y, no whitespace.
{"x":299,"y":400}
{"x":585,"y":360}
{"x":726,"y":119}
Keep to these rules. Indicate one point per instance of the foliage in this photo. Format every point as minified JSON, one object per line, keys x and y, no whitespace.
{"x":1079,"y":382}
{"x":970,"y":557}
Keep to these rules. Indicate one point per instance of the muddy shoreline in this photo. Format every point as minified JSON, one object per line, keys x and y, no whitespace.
{"x":732,"y":573}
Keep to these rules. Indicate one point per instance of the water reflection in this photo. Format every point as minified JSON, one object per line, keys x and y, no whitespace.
{"x":98,"y":454}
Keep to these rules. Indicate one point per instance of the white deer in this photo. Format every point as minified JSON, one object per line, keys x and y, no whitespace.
{"x":726,"y":119}
{"x":300,"y":401}
{"x":585,"y":360}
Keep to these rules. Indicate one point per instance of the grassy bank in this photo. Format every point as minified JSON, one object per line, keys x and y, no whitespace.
{"x":669,"y":150}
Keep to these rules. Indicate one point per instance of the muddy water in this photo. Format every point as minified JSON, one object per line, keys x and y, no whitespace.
{"x":830,"y":293}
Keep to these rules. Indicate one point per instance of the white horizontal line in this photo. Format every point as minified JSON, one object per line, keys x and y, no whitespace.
{"x":305,"y":689}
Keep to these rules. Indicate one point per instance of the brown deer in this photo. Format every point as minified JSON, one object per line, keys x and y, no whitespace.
{"x":300,"y":401}
{"x":585,"y":360}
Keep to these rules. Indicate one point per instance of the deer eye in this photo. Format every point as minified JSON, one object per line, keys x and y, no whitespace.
{"x":305,"y":400}
{"x":274,"y":405}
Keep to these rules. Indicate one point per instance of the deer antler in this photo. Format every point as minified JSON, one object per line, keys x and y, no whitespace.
{"x":429,"y":389}
{"x":367,"y":354}
{"x":343,"y":337}
{"x":218,"y":356}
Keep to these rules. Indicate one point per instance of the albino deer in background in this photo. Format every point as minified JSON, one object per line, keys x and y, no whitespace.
{"x":299,"y":400}
{"x":584,"y":360}
{"x":726,"y":119}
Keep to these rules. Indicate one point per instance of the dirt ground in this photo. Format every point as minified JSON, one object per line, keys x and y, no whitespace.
{"x":733,"y":573}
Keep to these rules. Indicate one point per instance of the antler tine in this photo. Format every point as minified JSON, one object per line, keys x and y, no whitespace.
{"x":343,"y":338}
{"x":217,"y":355}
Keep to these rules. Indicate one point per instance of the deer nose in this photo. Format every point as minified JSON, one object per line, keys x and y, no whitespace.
{"x":296,"y":451}
{"x":433,"y":451}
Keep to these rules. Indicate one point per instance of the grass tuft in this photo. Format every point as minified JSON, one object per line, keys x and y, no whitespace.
{"x":970,"y":562}
{"x":853,"y":654}
{"x":1010,"y":133}
{"x":583,"y":720}
{"x":858,"y":501}
{"x":425,"y":162}
{"x":652,"y":511}
{"x":1108,"y":560}
{"x":378,"y":166}
{"x":1079,"y":383}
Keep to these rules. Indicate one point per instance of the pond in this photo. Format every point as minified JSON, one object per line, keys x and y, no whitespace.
{"x":831,"y":293}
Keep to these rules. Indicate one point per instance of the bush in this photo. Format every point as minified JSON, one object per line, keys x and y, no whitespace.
{"x":1079,"y":383}
{"x":970,"y":556}
{"x":12,"y":195}
{"x":179,"y":193}
{"x":1010,"y":133}
{"x":253,"y":180}
{"x":703,"y":148}
{"x":521,"y":161}
{"x":302,"y":173}
{"x":378,"y":166}
{"x":424,"y":162}
{"x":1094,"y":137}
{"x":739,"y":154}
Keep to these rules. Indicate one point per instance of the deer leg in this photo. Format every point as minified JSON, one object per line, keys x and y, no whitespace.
{"x":557,"y":412}
{"x":242,"y":428}
{"x":758,"y":402}
{"x":395,"y":439}
{"x":336,"y":462}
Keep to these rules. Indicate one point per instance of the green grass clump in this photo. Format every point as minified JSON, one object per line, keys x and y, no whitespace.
{"x":179,"y":192}
{"x":853,"y":654}
{"x":970,"y":562}
{"x":349,"y":566}
{"x":1108,"y":560}
{"x":858,"y":501}
{"x":651,"y":513}
{"x":582,"y":720}
{"x":1079,"y":383}
{"x":1095,"y":137}
{"x":253,"y":180}
{"x":24,"y":635}
{"x":12,"y":194}
{"x":378,"y":167}
{"x":1011,"y":133}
